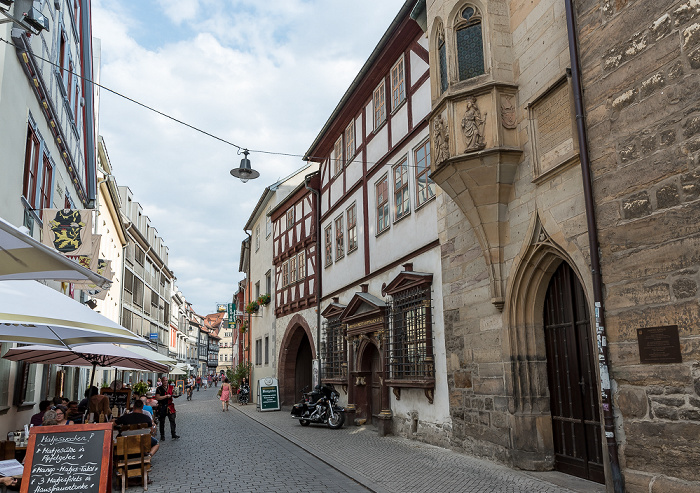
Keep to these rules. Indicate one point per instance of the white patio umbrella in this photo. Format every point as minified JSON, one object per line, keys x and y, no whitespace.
{"x":151,"y":354}
{"x":32,"y":313}
{"x":24,"y":258}
{"x":176,"y":370}
{"x":86,"y":355}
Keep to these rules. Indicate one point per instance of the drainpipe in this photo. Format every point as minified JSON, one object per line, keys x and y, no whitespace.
{"x":249,"y":289}
{"x":318,"y":270}
{"x":603,"y":357}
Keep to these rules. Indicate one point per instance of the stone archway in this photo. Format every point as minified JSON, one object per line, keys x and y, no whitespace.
{"x":296,"y":345}
{"x":532,"y":442}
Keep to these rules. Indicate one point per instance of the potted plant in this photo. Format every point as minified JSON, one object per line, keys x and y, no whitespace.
{"x":264,"y":299}
{"x":140,"y":388}
{"x":243,"y":326}
{"x":252,"y":307}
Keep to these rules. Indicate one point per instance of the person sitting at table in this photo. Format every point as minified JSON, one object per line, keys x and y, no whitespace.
{"x":74,"y":414}
{"x":62,"y":415}
{"x":39,"y":417}
{"x":147,"y":410}
{"x":136,"y":416}
{"x":97,"y":404}
{"x":50,"y":418}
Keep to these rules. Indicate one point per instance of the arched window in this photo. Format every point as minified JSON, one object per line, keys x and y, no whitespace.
{"x":442,"y":59}
{"x":470,"y":48}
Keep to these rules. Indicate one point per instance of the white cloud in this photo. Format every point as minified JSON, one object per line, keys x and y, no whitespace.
{"x":263,"y":75}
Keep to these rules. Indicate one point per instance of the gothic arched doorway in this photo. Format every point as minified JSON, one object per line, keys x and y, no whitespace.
{"x":572,"y":378}
{"x":295,"y":361}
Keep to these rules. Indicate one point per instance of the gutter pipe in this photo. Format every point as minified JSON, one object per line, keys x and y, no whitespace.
{"x":603,"y":356}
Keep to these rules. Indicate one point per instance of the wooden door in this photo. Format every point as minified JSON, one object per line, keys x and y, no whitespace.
{"x":572,"y":378}
{"x":303,"y":368}
{"x":375,"y":385}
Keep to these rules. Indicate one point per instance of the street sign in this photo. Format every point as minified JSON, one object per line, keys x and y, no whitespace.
{"x":268,"y":394}
{"x":154,"y":336}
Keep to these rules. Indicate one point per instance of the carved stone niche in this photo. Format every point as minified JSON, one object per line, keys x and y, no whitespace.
{"x":479,"y":174}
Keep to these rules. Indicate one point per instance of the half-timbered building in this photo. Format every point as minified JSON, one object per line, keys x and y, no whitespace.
{"x":259,"y":304}
{"x":382,"y":338}
{"x":294,"y":240}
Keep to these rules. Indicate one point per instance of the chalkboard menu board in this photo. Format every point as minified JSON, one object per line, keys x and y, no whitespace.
{"x":118,"y":398}
{"x":69,"y":458}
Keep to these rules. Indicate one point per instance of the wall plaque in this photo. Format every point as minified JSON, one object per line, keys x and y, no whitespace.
{"x":659,"y":345}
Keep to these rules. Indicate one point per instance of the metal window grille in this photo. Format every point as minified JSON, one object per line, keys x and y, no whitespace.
{"x":334,"y":349}
{"x":410,"y":344}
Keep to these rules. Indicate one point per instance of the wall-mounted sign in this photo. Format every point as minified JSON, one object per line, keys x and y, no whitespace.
{"x":153,"y":336}
{"x":659,"y":345}
{"x":221,"y":307}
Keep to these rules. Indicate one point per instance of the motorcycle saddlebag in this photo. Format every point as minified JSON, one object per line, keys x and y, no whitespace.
{"x":298,"y":410}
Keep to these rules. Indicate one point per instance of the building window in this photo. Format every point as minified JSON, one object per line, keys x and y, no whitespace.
{"x":398,"y":84}
{"x":339,"y":238}
{"x":267,"y":350}
{"x":301,"y":264}
{"x":379,"y":106}
{"x":285,"y":274}
{"x":139,"y":256}
{"x":268,"y":282}
{"x":442,"y":60}
{"x":401,"y":198}
{"x":410,"y":352}
{"x":293,"y":270}
{"x":25,"y":384}
{"x":257,"y":290}
{"x":268,"y":224}
{"x":258,"y":352}
{"x":338,"y":156}
{"x":290,"y":218}
{"x":333,"y":349}
{"x":328,"y":235}
{"x":31,"y":167}
{"x":257,"y":238}
{"x":352,"y":227}
{"x":425,"y":187}
{"x":470,"y":48}
{"x":350,"y":141}
{"x":382,"y":204}
{"x":62,"y":58}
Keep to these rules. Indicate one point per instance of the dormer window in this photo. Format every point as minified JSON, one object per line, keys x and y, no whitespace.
{"x":470,"y":45}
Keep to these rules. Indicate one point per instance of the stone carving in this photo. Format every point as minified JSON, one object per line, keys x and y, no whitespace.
{"x":360,"y":382}
{"x":397,"y":392}
{"x":508,"y":119}
{"x":473,"y":126}
{"x":441,"y":138}
{"x":440,"y":35}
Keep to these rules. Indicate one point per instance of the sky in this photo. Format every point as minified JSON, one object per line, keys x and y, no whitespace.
{"x":261,"y":74}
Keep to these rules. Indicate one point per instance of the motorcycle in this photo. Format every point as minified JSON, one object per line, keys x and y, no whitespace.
{"x":243,"y":394}
{"x":320,"y":406}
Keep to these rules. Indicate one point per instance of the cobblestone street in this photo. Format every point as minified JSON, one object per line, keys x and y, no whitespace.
{"x":245,"y":450}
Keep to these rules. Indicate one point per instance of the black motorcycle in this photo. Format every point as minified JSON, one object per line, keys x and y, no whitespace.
{"x":243,"y":394}
{"x":320,"y":406}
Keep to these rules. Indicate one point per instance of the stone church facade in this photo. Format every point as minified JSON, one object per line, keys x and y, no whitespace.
{"x":525,"y":319}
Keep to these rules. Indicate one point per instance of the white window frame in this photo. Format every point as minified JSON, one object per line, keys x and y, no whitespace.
{"x":339,"y":237}
{"x":338,"y":156}
{"x":350,"y":141}
{"x":398,"y":84}
{"x":352,"y":230}
{"x":379,"y":104}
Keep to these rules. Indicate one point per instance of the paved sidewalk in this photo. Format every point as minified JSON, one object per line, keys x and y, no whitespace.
{"x":393,"y":464}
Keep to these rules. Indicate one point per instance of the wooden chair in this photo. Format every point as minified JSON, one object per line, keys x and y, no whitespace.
{"x":132,"y":458}
{"x":7,"y":450}
{"x":125,"y":429}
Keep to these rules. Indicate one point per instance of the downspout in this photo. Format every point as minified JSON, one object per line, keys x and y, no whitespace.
{"x":249,"y":289}
{"x":317,"y":271}
{"x":603,"y":356}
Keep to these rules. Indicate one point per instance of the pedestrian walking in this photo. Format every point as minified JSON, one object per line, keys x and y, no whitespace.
{"x":225,"y":395}
{"x":166,"y":407}
{"x":199,"y":382}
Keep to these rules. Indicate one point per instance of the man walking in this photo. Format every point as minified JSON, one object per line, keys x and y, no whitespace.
{"x":166,"y":407}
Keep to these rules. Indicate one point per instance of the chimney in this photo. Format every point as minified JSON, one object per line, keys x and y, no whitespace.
{"x":363,"y":288}
{"x":408,"y":267}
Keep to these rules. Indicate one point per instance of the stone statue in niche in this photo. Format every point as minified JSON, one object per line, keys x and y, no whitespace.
{"x":508,"y":113}
{"x":441,"y":138}
{"x":473,"y":126}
